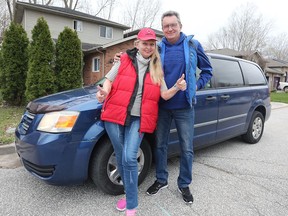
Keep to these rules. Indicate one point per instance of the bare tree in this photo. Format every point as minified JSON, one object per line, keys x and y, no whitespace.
{"x":72,"y":4}
{"x":10,"y":5}
{"x":278,"y":47}
{"x":105,"y":8}
{"x":142,"y":13}
{"x":246,"y":31}
{"x":6,"y":16}
{"x":42,"y":2}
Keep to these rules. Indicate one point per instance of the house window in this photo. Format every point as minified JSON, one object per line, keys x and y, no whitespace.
{"x":96,"y":65}
{"x":78,"y":26}
{"x":106,"y":32}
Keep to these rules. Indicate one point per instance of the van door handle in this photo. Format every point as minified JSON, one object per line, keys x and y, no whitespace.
{"x":225,"y":97}
{"x":210,"y":98}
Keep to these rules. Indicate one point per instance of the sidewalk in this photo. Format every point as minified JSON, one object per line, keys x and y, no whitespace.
{"x":8,"y":157}
{"x":277,"y":105}
{"x":10,"y":160}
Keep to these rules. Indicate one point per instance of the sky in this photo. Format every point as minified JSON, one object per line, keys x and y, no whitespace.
{"x":204,"y":17}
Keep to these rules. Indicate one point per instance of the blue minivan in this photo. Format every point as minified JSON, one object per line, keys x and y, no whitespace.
{"x":61,"y":139}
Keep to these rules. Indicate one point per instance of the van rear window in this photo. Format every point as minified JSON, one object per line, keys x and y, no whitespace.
{"x":253,"y":74}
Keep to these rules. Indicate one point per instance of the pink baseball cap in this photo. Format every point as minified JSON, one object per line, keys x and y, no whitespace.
{"x":146,"y":34}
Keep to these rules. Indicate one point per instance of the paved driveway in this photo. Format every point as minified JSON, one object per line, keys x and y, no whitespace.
{"x":230,"y":178}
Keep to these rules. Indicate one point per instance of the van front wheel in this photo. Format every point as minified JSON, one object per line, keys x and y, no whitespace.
{"x":103,"y":167}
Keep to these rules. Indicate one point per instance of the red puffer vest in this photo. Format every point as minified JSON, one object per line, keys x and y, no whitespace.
{"x":118,"y":103}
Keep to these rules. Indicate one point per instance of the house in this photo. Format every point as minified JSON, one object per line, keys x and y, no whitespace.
{"x":91,"y":30}
{"x":275,"y":70}
{"x":278,"y":71}
{"x":100,"y":38}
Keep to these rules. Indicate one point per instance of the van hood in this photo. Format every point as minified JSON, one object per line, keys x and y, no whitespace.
{"x":62,"y":100}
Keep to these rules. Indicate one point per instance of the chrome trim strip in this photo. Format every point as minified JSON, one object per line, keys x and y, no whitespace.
{"x":212,"y":122}
{"x":205,"y":124}
{"x":232,"y":117}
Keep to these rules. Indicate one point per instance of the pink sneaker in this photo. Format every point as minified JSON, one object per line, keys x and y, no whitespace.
{"x":121,"y":205}
{"x":130,"y":212}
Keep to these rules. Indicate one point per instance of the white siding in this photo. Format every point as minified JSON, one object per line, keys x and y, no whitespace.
{"x":90,"y":33}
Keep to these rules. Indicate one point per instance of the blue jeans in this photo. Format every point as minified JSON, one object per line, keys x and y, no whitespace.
{"x":184,"y":121}
{"x":126,"y":141}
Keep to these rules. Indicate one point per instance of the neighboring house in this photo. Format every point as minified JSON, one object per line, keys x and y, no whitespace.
{"x":91,"y":30}
{"x":274,"y":70}
{"x":278,"y":71}
{"x":100,"y":38}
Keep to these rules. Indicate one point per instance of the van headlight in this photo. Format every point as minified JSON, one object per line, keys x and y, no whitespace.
{"x":56,"y":122}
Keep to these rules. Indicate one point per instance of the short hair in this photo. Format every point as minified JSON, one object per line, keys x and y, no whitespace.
{"x":171,"y":13}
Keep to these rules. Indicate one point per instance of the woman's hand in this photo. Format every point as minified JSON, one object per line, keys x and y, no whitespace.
{"x":117,"y":56}
{"x":101,"y":94}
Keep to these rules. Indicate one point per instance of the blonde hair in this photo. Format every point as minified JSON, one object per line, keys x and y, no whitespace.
{"x":156,"y":71}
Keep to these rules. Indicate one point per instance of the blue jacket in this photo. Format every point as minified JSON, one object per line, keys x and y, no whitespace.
{"x":194,"y":57}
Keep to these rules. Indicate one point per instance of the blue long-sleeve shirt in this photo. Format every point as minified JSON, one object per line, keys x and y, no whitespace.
{"x":177,"y":59}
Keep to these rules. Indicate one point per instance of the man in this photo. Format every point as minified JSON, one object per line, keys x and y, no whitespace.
{"x":180,"y":54}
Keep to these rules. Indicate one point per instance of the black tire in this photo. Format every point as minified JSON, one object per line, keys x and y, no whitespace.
{"x":255,"y":129}
{"x":103,"y":168}
{"x":285,"y":89}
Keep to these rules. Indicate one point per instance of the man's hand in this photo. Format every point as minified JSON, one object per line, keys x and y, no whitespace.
{"x":101,"y":94}
{"x":181,"y":83}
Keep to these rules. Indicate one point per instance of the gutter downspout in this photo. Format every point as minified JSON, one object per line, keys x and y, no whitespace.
{"x":103,"y":63}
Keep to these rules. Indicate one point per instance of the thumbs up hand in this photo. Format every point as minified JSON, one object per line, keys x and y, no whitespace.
{"x":181,"y":83}
{"x":101,"y":94}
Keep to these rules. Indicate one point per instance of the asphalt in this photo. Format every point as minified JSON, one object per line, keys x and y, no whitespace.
{"x":10,"y":160}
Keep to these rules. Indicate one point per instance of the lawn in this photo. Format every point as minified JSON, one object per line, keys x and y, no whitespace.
{"x":279,"y":97}
{"x":10,"y":117}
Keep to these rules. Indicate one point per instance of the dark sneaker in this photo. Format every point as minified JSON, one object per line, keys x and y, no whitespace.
{"x":186,"y":194}
{"x":153,"y":189}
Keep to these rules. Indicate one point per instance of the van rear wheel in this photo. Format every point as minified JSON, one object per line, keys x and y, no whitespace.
{"x":255,"y":128}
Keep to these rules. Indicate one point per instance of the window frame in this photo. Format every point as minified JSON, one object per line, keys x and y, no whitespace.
{"x":97,"y":59}
{"x":107,"y":32}
{"x":78,"y":25}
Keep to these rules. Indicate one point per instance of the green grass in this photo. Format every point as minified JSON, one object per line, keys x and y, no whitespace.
{"x":279,"y":97}
{"x":10,"y":116}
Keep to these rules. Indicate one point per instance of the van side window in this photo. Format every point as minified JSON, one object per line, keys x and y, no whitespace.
{"x":227,"y":73}
{"x":253,"y":74}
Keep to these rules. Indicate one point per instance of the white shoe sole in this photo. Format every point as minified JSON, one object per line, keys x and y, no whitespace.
{"x":183,"y":199}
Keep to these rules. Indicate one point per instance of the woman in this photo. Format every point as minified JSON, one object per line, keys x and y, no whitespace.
{"x":131,"y":92}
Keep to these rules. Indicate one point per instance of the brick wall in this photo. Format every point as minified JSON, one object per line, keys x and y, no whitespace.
{"x":107,"y":56}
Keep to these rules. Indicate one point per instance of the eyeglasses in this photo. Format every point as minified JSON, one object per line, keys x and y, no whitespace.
{"x":172,"y":26}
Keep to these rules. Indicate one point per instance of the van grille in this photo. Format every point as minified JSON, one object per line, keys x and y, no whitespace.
{"x":26,"y":122}
{"x":43,"y":171}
